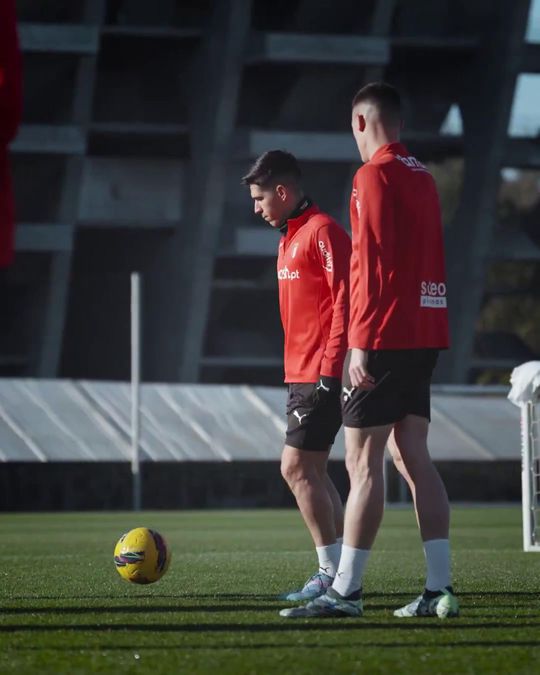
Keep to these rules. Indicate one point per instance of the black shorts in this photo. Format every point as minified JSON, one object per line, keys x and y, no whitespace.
{"x":313,"y":417}
{"x":403,"y":380}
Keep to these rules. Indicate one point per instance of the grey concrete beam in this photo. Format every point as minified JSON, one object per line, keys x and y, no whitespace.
{"x":127,"y":224}
{"x":50,"y":347}
{"x":256,"y":241}
{"x":138,"y":128}
{"x":302,"y":48}
{"x":305,"y":145}
{"x":59,"y":38}
{"x":213,"y":116}
{"x":490,"y":80}
{"x":48,"y":139}
{"x":434,"y":43}
{"x":43,"y":237}
{"x":380,"y":25}
{"x":134,"y":192}
{"x":242,"y":361}
{"x":325,"y":146}
{"x":162,"y":32}
{"x":84,"y":41}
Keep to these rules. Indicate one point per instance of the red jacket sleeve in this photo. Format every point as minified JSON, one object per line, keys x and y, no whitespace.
{"x":10,"y":115}
{"x":10,"y":73}
{"x":334,"y":249}
{"x":373,"y":229}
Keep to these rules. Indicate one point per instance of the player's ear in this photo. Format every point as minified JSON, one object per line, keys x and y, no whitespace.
{"x":361,"y":121}
{"x":281,"y":192}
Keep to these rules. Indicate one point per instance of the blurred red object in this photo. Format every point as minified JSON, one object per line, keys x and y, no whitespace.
{"x":10,"y":117}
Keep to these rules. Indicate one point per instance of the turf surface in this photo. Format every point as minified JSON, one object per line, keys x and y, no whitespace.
{"x":64,"y":609}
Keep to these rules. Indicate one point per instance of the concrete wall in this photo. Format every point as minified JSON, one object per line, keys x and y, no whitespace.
{"x":103,"y":486}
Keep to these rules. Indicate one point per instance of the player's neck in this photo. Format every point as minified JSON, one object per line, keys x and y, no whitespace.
{"x":383,"y":137}
{"x":301,"y":204}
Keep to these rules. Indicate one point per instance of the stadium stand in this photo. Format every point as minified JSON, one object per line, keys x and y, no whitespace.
{"x":139,"y":119}
{"x":67,"y":444}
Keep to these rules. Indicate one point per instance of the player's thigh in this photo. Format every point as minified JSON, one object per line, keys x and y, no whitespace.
{"x":415,"y":368}
{"x":377,"y":407}
{"x":410,"y":438}
{"x":364,"y":447}
{"x":303,"y":463}
{"x":312,"y":421}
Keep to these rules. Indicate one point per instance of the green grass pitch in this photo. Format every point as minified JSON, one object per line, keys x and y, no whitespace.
{"x":64,"y":609}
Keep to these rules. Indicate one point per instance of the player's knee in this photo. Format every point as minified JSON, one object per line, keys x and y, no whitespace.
{"x":361,"y":466}
{"x":293,"y":471}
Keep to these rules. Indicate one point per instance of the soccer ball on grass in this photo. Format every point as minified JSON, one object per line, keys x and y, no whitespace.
{"x":142,"y":556}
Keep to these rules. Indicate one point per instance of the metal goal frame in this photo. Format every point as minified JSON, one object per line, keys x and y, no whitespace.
{"x":530,"y":475}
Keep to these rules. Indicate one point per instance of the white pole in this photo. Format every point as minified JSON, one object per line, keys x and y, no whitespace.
{"x":135,"y":387}
{"x":526,"y":468}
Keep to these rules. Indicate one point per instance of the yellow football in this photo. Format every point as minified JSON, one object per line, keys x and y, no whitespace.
{"x":142,"y":556}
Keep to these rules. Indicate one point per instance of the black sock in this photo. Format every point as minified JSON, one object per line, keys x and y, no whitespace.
{"x":429,"y":595}
{"x":355,"y":595}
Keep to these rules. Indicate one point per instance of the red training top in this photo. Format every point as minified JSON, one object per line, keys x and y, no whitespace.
{"x":313,"y":278}
{"x":398,"y":282}
{"x":10,"y":114}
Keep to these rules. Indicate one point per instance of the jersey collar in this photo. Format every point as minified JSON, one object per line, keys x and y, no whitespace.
{"x":301,"y":214}
{"x":392,"y":148}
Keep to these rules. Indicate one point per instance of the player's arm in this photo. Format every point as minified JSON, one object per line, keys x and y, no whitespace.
{"x":10,"y":73}
{"x":373,"y":236}
{"x":334,"y":252}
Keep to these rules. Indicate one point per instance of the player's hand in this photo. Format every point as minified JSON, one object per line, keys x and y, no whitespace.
{"x":358,"y":372}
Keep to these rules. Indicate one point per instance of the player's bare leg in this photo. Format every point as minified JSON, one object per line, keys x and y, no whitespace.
{"x":365,"y":504}
{"x":409,"y":450}
{"x":320,"y":505}
{"x":363,"y":514}
{"x":305,"y":474}
{"x":337,"y":505}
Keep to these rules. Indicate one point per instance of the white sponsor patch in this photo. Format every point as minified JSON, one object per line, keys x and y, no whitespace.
{"x":285,"y":273}
{"x":412,"y":163}
{"x":327,"y":257}
{"x":432,"y":294}
{"x":356,"y":201}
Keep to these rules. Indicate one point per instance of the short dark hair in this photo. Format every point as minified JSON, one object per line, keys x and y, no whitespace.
{"x":272,"y":167}
{"x":384,"y":96}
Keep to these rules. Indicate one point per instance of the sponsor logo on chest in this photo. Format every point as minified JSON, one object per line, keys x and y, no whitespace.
{"x":285,"y":274}
{"x":433,"y":294}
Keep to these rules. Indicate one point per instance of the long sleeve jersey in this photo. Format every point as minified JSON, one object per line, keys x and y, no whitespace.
{"x":398,"y":283}
{"x":313,"y":278}
{"x":10,"y":114}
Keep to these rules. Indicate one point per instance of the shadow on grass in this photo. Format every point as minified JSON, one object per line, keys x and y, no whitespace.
{"x":281,"y":627}
{"x":139,"y":609}
{"x":265,"y":597}
{"x":503,"y":644}
{"x":162,"y":596}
